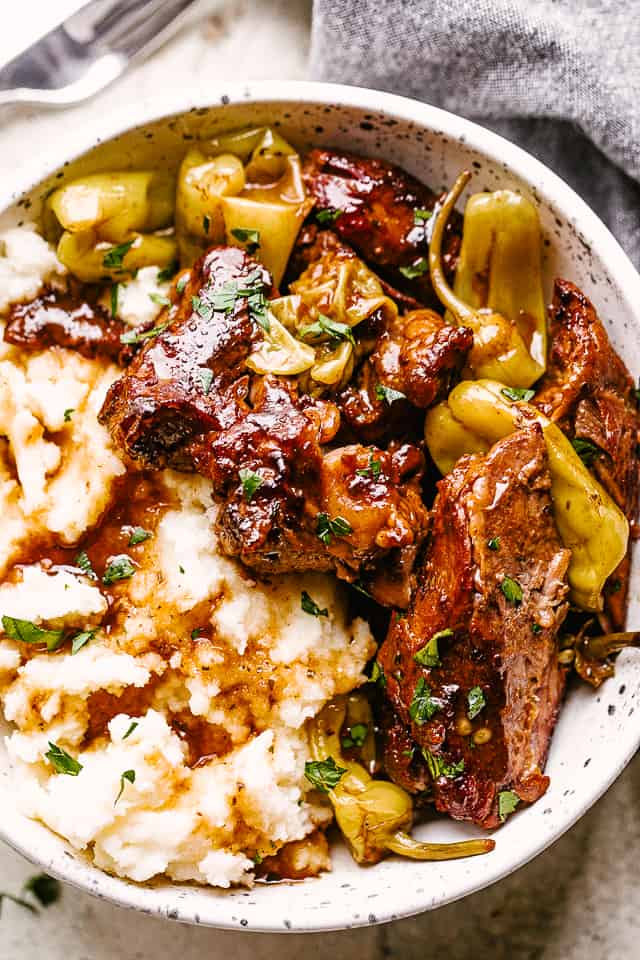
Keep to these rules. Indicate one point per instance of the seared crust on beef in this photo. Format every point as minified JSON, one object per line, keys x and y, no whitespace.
{"x":506,"y":648}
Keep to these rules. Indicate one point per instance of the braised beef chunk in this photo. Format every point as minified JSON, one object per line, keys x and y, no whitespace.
{"x":70,"y":318}
{"x":384,"y":215}
{"x":588,"y":390}
{"x":191,"y":377}
{"x":473,"y":683}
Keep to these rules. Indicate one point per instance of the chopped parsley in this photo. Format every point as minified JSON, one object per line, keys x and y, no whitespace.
{"x":388,"y":394}
{"x":310,"y":606}
{"x":132,"y":727}
{"x":80,"y":639}
{"x":327,"y":527}
{"x":423,"y":706}
{"x":160,"y":299}
{"x":476,"y":702}
{"x":120,"y":567}
{"x":507,"y":803}
{"x":517,"y":393}
{"x":181,"y":284}
{"x":251,"y":238}
{"x":332,"y":328}
{"x":205,"y":376}
{"x":421,"y":216}
{"x":511,"y":590}
{"x":138,"y":535}
{"x":167,"y":273}
{"x":83,"y":563}
{"x":44,"y":888}
{"x":587,"y":451}
{"x":438,"y":767}
{"x":324,"y":775}
{"x":377,"y":675}
{"x":68,"y":414}
{"x":494,"y":543}
{"x":130,"y":777}
{"x":428,"y":656}
{"x":372,"y":470}
{"x":113,"y":258}
{"x":326,"y":217}
{"x":251,"y":482}
{"x":24,"y":631}
{"x":115,"y":289}
{"x":61,"y":761}
{"x":536,"y":628}
{"x":206,"y":223}
{"x":132,"y":336}
{"x":358,"y":586}
{"x":417,"y":269}
{"x":355,"y":736}
{"x":225,"y":299}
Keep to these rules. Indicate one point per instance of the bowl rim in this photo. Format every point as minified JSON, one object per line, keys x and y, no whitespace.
{"x":585,"y":223}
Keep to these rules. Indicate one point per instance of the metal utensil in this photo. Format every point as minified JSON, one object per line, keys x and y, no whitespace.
{"x":91,"y":49}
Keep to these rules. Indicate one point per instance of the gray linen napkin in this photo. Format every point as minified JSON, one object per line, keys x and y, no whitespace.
{"x":559,"y":77}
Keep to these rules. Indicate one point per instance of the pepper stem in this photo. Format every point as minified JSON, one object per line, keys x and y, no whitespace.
{"x":599,"y":648}
{"x":460,"y":310}
{"x":404,"y":845}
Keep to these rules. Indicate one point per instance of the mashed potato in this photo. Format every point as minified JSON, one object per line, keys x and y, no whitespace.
{"x":185,"y":704}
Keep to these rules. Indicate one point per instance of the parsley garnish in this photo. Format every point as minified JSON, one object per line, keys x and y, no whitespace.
{"x":356,"y":736}
{"x":517,"y":393}
{"x":421,"y":216}
{"x":511,"y":590}
{"x":113,"y":258}
{"x":83,"y":563}
{"x":440,"y":768}
{"x":429,"y":656}
{"x":536,"y":628}
{"x":206,"y":223}
{"x":423,"y":706}
{"x":24,"y":631}
{"x":181,"y":284}
{"x":507,"y":803}
{"x":494,"y":543}
{"x":115,"y":287}
{"x":68,"y":414}
{"x":388,"y":394}
{"x":324,"y":775}
{"x":119,"y":568}
{"x":130,"y":776}
{"x":417,"y":269}
{"x":225,"y":299}
{"x":357,"y":585}
{"x":80,"y":639}
{"x":167,"y":273}
{"x":476,"y":702}
{"x":132,"y":727}
{"x":138,"y":535}
{"x":250,"y":483}
{"x":160,"y":299}
{"x":326,"y":527}
{"x":132,"y":336}
{"x":44,"y":888}
{"x":377,"y":675}
{"x":326,"y":217}
{"x":333,"y":329}
{"x":373,"y":470}
{"x":251,"y":238}
{"x":205,"y":376}
{"x":587,"y":451}
{"x":62,"y":761}
{"x":310,"y":606}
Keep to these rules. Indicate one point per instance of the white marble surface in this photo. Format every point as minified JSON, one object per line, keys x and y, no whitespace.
{"x":578,"y":900}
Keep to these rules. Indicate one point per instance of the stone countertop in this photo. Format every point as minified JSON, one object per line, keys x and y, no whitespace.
{"x":577,"y":900}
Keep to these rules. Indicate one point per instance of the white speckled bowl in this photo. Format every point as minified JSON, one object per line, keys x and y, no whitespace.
{"x":598,"y":732}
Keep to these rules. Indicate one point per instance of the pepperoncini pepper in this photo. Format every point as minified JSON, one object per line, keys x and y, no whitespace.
{"x":373,"y":815}
{"x":476,"y":415}
{"x":498,"y":287}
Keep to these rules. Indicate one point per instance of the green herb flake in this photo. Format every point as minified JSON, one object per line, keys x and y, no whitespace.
{"x":372,"y":470}
{"x":160,"y":299}
{"x":81,"y":639}
{"x":327,"y":527}
{"x":44,"y":888}
{"x":311,"y":607}
{"x":130,"y":777}
{"x":205,"y":376}
{"x":251,"y":238}
{"x":417,"y":269}
{"x":517,"y":393}
{"x":331,"y":328}
{"x":324,"y":775}
{"x":377,"y":675}
{"x":132,"y":727}
{"x":388,"y":394}
{"x":536,"y":628}
{"x":326,"y":217}
{"x":196,"y":633}
{"x":24,"y":631}
{"x":359,"y":587}
{"x":476,"y":702}
{"x":428,"y":656}
{"x":507,"y":803}
{"x":83,"y":563}
{"x":168,"y":273}
{"x":138,"y":535}
{"x":421,"y":216}
{"x":587,"y":451}
{"x":120,"y":567}
{"x":113,"y":299}
{"x":251,"y":482}
{"x":61,"y":761}
{"x":132,"y":336}
{"x":438,"y":767}
{"x":68,"y":414}
{"x":494,"y":543}
{"x":511,"y":590}
{"x":423,"y":706}
{"x":355,"y":736}
{"x":113,"y":258}
{"x":206,"y":223}
{"x":181,"y":284}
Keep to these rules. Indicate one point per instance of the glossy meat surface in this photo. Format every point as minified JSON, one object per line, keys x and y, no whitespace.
{"x":492,"y":528}
{"x":590,"y":393}
{"x":378,"y":203}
